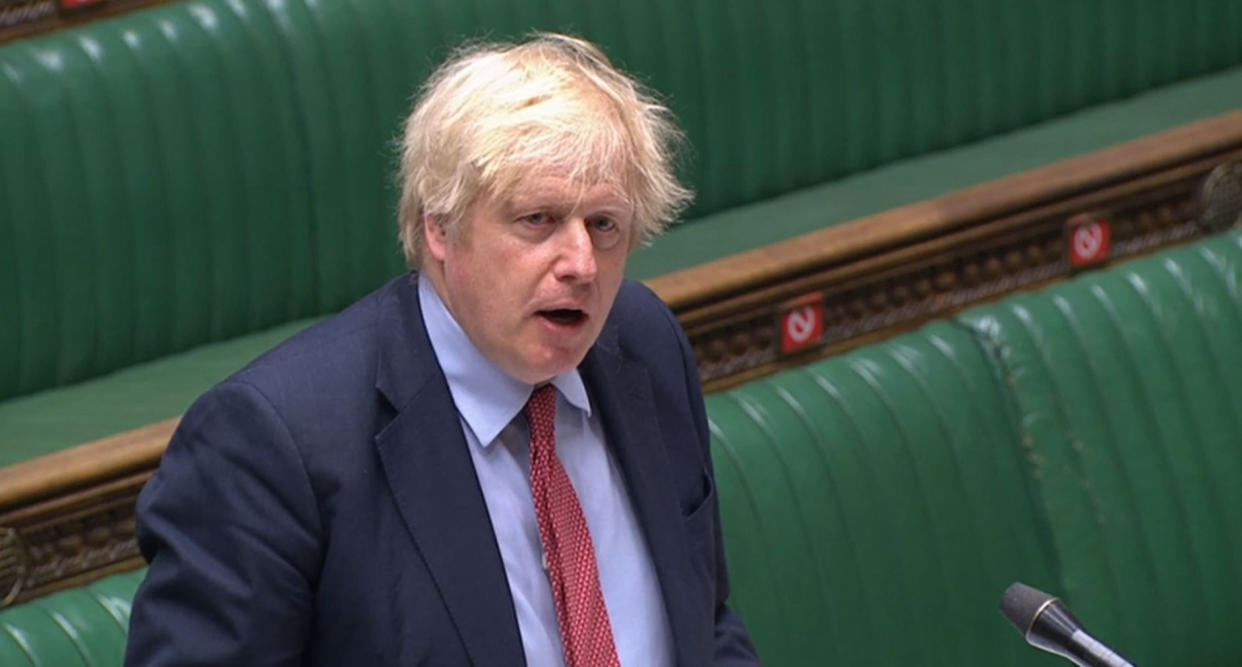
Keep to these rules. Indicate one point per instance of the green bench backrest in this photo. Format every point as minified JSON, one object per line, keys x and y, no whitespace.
{"x":1086,"y":439}
{"x":1128,"y":385}
{"x":875,"y":505}
{"x":200,"y":170}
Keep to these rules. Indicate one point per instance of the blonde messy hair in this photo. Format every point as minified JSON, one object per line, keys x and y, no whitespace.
{"x":493,"y":112}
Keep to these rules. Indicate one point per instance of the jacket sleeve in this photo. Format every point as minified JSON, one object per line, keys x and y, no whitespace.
{"x":230,"y":527}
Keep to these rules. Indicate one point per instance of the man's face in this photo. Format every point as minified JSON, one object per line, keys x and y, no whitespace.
{"x":531,"y":277}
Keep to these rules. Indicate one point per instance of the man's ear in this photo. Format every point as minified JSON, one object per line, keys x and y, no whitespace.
{"x":435,"y":236}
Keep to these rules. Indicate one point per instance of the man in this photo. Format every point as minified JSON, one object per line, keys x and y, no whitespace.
{"x":500,"y":458}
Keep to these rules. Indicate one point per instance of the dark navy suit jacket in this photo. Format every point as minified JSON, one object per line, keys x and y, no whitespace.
{"x":320,"y":506}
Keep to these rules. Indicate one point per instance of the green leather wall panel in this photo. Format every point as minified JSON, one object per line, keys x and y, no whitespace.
{"x":875,"y":506}
{"x":80,"y":627}
{"x":1128,"y":385}
{"x":204,"y":169}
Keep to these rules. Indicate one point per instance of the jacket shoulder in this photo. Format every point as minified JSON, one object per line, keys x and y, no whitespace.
{"x":326,"y":373}
{"x":644,"y":329}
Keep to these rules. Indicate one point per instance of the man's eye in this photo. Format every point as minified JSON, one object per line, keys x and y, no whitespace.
{"x":604,"y":224}
{"x":539,"y":218}
{"x":605,"y":232}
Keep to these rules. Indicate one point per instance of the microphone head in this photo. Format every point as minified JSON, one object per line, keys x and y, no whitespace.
{"x":1021,"y":604}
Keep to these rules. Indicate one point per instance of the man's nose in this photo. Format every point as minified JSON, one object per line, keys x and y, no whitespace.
{"x":576,"y":252}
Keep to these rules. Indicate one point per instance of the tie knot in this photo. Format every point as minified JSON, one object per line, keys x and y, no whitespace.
{"x":541,"y":412}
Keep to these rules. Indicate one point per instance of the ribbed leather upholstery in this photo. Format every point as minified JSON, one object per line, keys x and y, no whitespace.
{"x":80,"y":627}
{"x":175,"y":178}
{"x":204,"y":169}
{"x":1128,"y":386}
{"x":875,"y":505}
{"x":1086,"y":439}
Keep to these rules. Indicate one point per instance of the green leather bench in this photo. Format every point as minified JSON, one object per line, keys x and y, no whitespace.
{"x":1083,"y":439}
{"x":80,"y":627}
{"x":187,"y":179}
{"x":1128,"y":387}
{"x":875,"y":506}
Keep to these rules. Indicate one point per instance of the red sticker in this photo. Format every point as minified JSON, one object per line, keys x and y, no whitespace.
{"x":802,"y":325}
{"x":1088,"y":242}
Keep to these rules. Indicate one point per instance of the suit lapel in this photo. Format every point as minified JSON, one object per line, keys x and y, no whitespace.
{"x":622,"y":392}
{"x":432,"y":478}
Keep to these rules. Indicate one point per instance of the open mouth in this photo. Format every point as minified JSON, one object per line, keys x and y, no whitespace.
{"x":564,"y":316}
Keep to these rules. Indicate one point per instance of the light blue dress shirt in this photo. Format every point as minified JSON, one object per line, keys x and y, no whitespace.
{"x":489,"y":404}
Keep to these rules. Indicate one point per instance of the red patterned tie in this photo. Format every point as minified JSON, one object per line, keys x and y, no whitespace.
{"x":585,"y":631}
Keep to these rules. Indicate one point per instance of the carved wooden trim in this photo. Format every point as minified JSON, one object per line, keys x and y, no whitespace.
{"x":23,"y":18}
{"x":876,"y":276}
{"x":67,"y":541}
{"x":67,"y":518}
{"x":12,"y":565}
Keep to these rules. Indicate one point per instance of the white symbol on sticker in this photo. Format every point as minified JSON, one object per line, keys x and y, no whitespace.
{"x":801,"y":324}
{"x":1088,"y":239}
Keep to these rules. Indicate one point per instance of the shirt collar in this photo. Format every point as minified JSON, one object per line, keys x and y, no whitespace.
{"x":486,"y":397}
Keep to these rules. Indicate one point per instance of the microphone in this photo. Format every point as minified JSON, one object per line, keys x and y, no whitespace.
{"x":1047,"y":624}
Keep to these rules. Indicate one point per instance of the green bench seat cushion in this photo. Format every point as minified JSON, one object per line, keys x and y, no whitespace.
{"x":56,"y":419}
{"x":1128,"y":386}
{"x":80,"y":627}
{"x":874,"y":496}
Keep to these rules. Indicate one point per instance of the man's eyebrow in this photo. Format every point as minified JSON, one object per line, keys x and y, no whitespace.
{"x":615,"y":203}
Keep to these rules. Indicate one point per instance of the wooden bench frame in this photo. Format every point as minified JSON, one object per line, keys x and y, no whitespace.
{"x":26,"y":18}
{"x":68,"y":518}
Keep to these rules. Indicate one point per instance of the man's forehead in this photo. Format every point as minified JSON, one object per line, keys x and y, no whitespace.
{"x":559,"y":187}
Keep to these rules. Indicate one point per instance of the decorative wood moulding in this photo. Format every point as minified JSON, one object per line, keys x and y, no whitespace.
{"x":22,"y":18}
{"x":68,"y":518}
{"x":782,"y":305}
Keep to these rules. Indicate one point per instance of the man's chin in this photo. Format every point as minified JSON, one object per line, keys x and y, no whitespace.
{"x":549,"y":363}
